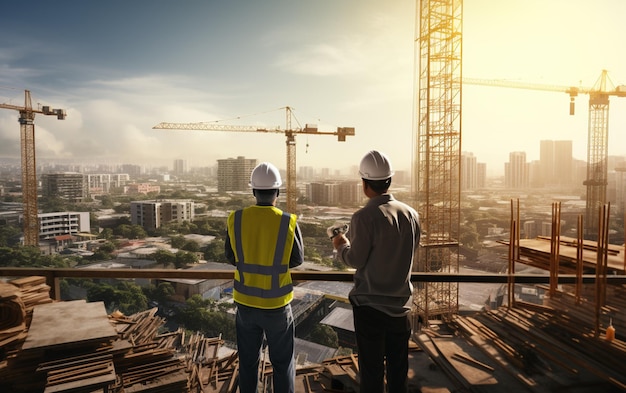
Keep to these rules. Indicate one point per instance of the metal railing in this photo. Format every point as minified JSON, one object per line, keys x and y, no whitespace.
{"x":54,"y":275}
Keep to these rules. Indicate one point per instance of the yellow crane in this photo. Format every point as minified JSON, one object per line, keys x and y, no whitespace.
{"x":29,"y":175}
{"x":290,"y":134}
{"x":598,"y":136}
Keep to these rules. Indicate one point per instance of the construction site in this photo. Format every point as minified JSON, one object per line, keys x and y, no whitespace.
{"x":574,"y":341}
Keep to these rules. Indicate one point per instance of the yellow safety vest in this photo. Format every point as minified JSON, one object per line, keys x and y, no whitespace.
{"x":262,"y":239}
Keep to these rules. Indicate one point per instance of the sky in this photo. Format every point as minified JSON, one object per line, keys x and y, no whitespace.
{"x":120,"y":67}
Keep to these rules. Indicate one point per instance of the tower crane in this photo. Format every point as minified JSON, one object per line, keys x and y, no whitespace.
{"x":29,"y":175}
{"x":598,"y":133}
{"x":290,"y":134}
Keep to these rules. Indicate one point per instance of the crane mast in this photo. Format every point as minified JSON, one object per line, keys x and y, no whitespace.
{"x":29,"y":175}
{"x":290,"y":143}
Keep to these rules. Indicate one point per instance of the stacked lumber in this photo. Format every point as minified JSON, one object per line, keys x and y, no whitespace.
{"x":547,"y":350}
{"x":150,"y":364}
{"x":18,"y":297}
{"x":12,"y":316}
{"x":33,"y":291}
{"x":340,"y":374}
{"x":584,"y":307}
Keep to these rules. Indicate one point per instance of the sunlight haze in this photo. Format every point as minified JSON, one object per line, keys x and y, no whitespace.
{"x":118,"y":68}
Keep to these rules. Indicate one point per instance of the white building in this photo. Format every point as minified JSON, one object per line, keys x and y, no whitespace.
{"x":153,"y":214}
{"x":63,"y":223}
{"x":101,"y":183}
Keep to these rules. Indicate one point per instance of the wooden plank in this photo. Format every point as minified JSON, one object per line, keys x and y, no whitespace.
{"x":64,"y":323}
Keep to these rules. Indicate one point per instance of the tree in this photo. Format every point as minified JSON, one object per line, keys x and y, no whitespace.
{"x":137,"y":232}
{"x":164,"y":257}
{"x":184,"y":258}
{"x":106,"y":201}
{"x":27,"y":256}
{"x":191,"y":246}
{"x":324,"y":335}
{"x":107,"y":233}
{"x":204,"y":316}
{"x":177,"y":241}
{"x":127,"y":297}
{"x":163,"y":292}
{"x":214,"y":251}
{"x":9,"y":235}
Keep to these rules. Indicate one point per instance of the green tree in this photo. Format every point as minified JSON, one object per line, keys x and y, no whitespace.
{"x":106,"y":201}
{"x":10,"y":235}
{"x":324,"y":335}
{"x":122,"y":230}
{"x":214,"y":251}
{"x":191,"y":246}
{"x":137,"y":232}
{"x":204,"y":316}
{"x":107,"y":233}
{"x":107,"y":247}
{"x":27,"y":256}
{"x":163,"y":292}
{"x":164,"y":257}
{"x":177,"y":241}
{"x":184,"y":258}
{"x":126,"y":296}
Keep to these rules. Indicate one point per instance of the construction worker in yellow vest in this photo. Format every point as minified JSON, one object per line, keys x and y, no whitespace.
{"x":263,"y":243}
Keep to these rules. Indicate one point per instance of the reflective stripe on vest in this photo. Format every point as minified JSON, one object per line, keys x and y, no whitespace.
{"x":274,"y":271}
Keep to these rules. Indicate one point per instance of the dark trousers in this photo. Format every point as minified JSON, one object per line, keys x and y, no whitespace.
{"x":380,"y":337}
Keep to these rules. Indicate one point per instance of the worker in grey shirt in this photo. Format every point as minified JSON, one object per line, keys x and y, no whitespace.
{"x":382,"y":240}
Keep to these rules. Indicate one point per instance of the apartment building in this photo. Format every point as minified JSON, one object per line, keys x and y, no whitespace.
{"x":233,"y":174}
{"x":516,"y":171}
{"x":56,"y":224}
{"x":153,"y":214}
{"x":141,"y":188}
{"x":335,"y":194}
{"x":67,"y":185}
{"x":102,"y":183}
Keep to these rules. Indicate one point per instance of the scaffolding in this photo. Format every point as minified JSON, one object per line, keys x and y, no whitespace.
{"x":437,"y":152}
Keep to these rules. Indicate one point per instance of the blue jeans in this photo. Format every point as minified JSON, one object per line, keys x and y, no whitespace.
{"x":278,"y":327}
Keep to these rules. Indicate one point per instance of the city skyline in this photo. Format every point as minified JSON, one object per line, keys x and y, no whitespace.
{"x":118,"y":70}
{"x":180,"y":166}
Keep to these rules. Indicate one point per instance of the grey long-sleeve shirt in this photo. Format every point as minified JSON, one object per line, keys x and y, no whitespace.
{"x":384,"y":236}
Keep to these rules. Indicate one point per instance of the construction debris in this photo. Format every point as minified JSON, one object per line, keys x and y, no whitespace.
{"x":56,"y":347}
{"x":75,"y":346}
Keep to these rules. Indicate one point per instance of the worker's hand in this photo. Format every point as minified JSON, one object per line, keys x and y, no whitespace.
{"x":339,"y":240}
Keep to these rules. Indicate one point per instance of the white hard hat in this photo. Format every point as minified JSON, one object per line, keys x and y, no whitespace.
{"x":375,"y":166}
{"x":265,"y":176}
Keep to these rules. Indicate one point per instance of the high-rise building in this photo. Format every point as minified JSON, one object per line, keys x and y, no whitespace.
{"x":132,"y":169}
{"x":233,"y":174}
{"x":469,"y":171}
{"x":481,"y":175}
{"x":306,"y":173}
{"x":516,"y":171}
{"x":153,"y":214}
{"x":556,"y":163}
{"x":180,"y":167}
{"x":620,"y":188}
{"x":68,"y":185}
